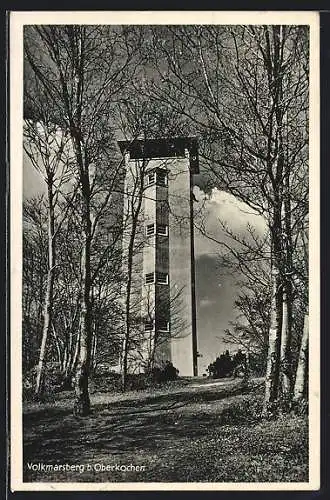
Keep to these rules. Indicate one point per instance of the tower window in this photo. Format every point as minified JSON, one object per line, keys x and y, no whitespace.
{"x":163,"y":326}
{"x":150,"y":229}
{"x":150,"y":278}
{"x":162,"y":229}
{"x":161,"y":178}
{"x":162,"y":278}
{"x":151,"y":178}
{"x":148,"y":326}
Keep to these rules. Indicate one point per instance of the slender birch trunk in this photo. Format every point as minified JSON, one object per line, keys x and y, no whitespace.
{"x":71,"y":362}
{"x":300,"y":386}
{"x":65,"y":360}
{"x":76,"y":352}
{"x":48,"y":302}
{"x":275,"y":327}
{"x":60,"y":355}
{"x":272,"y":369}
{"x":94,"y":349}
{"x":286,"y":336}
{"x":285,"y":363}
{"x":153,"y":346}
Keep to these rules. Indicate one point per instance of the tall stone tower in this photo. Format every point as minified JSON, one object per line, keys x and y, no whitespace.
{"x":159,"y":203}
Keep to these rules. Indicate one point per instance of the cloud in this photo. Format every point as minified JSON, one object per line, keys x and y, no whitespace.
{"x":216,"y":290}
{"x":222,"y":206}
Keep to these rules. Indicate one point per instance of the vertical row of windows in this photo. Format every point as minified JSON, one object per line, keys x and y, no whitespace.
{"x":158,"y":177}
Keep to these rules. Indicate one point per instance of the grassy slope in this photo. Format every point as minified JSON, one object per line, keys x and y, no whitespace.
{"x":179,"y":434}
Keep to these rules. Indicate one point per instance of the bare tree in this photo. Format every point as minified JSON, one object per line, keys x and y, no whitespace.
{"x":47,"y":148}
{"x":34,"y":277}
{"x":83,"y":70}
{"x":244,"y":89}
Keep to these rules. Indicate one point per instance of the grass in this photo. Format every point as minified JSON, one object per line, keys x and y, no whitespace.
{"x":182,"y":433}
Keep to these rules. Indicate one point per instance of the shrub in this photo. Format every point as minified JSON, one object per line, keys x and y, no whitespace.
{"x":223,"y":366}
{"x":169,"y":372}
{"x":154,"y":377}
{"x":103,"y":380}
{"x":237,"y":365}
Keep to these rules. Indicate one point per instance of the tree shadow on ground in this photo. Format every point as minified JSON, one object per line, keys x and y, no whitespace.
{"x":163,"y":401}
{"x":149,"y":423}
{"x":202,"y":435}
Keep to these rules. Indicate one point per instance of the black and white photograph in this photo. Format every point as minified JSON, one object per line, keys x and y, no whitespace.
{"x":164,"y":199}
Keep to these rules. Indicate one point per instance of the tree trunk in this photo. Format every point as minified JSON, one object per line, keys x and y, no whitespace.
{"x":82,"y":401}
{"x":74,"y":359}
{"x":247,"y":367}
{"x":48,"y":303}
{"x":274,"y":337}
{"x":135,"y":212}
{"x":60,"y":355}
{"x":272,"y":369}
{"x":71,"y":362}
{"x":300,"y":387}
{"x":286,"y":337}
{"x":94,"y":349}
{"x":125,"y":347}
{"x":275,"y":170}
{"x":285,"y":363}
{"x":153,"y":346}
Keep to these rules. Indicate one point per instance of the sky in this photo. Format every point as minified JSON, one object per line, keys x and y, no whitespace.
{"x":215,"y":289}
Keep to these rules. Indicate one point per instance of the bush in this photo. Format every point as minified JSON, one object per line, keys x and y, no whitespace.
{"x":223,"y":366}
{"x":155,"y":377}
{"x":257,"y":364}
{"x":169,"y":372}
{"x":237,"y":365}
{"x":103,"y":380}
{"x":163,"y":374}
{"x":137,"y":381}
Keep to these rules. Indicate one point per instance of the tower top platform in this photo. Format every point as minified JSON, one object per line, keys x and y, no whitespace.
{"x":173,"y":147}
